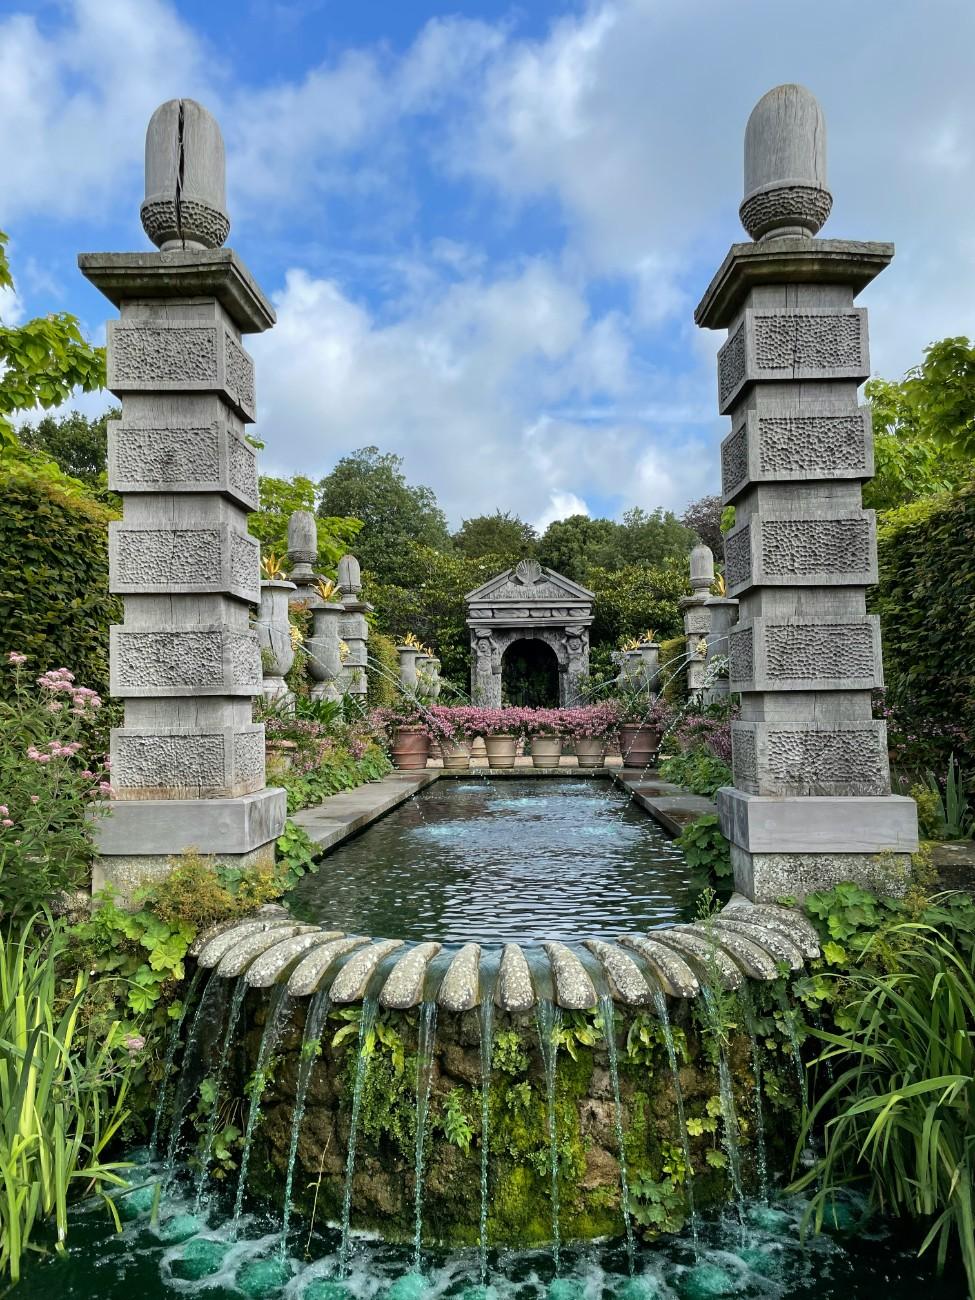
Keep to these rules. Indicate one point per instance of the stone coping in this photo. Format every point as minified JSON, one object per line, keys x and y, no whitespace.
{"x":744,"y":941}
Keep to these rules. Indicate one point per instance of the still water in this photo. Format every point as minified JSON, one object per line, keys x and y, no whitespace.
{"x":502,"y":861}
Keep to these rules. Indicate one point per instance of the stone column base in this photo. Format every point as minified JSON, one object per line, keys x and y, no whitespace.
{"x":777,"y":877}
{"x":138,"y":839}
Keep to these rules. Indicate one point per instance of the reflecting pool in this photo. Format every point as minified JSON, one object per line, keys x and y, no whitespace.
{"x":489,"y":860}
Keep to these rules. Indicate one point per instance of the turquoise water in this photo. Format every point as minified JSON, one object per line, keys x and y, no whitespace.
{"x":494,"y":861}
{"x":178,"y":1253}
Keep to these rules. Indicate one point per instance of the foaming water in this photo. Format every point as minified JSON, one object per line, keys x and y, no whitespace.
{"x":177,"y":1253}
{"x":503,"y":861}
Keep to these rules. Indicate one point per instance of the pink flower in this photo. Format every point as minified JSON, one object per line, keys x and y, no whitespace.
{"x":43,"y":758}
{"x":35,"y":798}
{"x":104,"y":787}
{"x":3,"y":810}
{"x":87,"y":772}
{"x":55,"y":706}
{"x":16,"y":659}
{"x":134,"y":1043}
{"x":6,"y":822}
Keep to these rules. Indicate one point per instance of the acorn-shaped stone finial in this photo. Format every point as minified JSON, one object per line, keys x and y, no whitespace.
{"x":785,"y":165}
{"x":702,"y":567}
{"x":186,"y":189}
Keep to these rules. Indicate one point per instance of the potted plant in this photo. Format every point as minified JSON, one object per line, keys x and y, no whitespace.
{"x":590,"y":727}
{"x":642,"y":721}
{"x":407,"y":733}
{"x":543,"y":726}
{"x":455,"y":742}
{"x":501,"y":729}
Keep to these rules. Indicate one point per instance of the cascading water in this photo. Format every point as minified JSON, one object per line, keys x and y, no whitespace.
{"x":663,"y":1015}
{"x":609,"y":1033}
{"x":370,"y":1007}
{"x":424,"y":1080}
{"x":486,"y":1020}
{"x":729,"y":1116}
{"x":789,"y":1020}
{"x":168,"y":1063}
{"x":236,"y":1003}
{"x":549,"y":1019}
{"x":761,"y":1157}
{"x":280,"y":1004}
{"x":315,"y":1019}
{"x":214,"y":994}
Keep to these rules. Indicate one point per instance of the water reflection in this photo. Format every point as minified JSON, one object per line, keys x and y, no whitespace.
{"x":505,"y":861}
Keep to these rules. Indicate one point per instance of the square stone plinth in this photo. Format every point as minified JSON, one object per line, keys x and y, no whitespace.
{"x":762,"y":824}
{"x":139,"y":827}
{"x":784,"y":877}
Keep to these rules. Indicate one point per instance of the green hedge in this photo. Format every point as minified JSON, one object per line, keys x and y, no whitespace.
{"x":54,"y":601}
{"x":926,"y":602}
{"x":382,"y":676}
{"x":674,"y":680}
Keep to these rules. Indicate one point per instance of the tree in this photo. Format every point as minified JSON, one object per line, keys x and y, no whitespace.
{"x":370,"y":486}
{"x":703,"y":518}
{"x":653,"y":538}
{"x":501,"y":534}
{"x":574,"y":545}
{"x":914,"y":451}
{"x":280,"y":498}
{"x":636,"y":599}
{"x":942,"y":392}
{"x":77,"y":444}
{"x":41,"y":363}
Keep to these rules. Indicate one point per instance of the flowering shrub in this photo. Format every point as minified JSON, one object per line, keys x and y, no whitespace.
{"x":702,"y":732}
{"x":591,"y":721}
{"x":49,"y":776}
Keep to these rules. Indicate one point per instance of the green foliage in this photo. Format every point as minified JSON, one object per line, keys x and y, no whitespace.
{"x":634,"y":597}
{"x":673,"y":671}
{"x":457,"y":1126}
{"x":910,"y":462}
{"x":508,"y":1053}
{"x":54,"y":601}
{"x":78,"y":446}
{"x":337,"y":771}
{"x":698,"y":771}
{"x":502,"y":535}
{"x":578,"y":544}
{"x":41,"y":363}
{"x":62,"y":1093}
{"x":296,"y":853}
{"x":898,"y":1114}
{"x":656,"y":1204}
{"x":945,"y":816}
{"x":645,"y":1039}
{"x":941,"y":395}
{"x":577,"y":1029}
{"x":382,"y":676}
{"x":280,"y":498}
{"x":706,"y":849}
{"x":138,"y":948}
{"x":370,"y":486}
{"x":50,"y":771}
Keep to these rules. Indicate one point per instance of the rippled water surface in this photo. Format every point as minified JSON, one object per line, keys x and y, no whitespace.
{"x":503,"y":860}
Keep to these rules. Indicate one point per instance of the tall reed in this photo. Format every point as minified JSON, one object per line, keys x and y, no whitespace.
{"x":62,"y":1093}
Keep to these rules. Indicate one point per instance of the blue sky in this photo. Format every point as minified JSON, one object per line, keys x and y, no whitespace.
{"x":485,"y":226}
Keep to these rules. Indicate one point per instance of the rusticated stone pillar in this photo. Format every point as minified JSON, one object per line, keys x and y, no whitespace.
{"x":723,"y":612}
{"x":811,"y":804}
{"x":354,"y":628}
{"x":188,"y":763}
{"x":697,"y":618}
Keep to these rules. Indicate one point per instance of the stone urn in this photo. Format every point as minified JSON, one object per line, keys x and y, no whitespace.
{"x":501,"y":750}
{"x":590,"y":750}
{"x":408,"y":656}
{"x":546,"y":750}
{"x":632,"y":669}
{"x":456,"y":755}
{"x":274,"y":638}
{"x":324,"y":651}
{"x":639,"y":742}
{"x":410,"y":748}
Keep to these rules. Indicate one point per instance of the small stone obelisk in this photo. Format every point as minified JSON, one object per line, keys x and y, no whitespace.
{"x":697,"y":618}
{"x":811,"y":802}
{"x":188,"y":763}
{"x":354,"y":627}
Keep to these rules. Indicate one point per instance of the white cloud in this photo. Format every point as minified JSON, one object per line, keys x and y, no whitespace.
{"x":561,"y":506}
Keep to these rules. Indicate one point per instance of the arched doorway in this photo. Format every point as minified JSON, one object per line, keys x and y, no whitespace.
{"x":530,"y":675}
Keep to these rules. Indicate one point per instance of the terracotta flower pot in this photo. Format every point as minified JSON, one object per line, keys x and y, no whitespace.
{"x":590,"y":751}
{"x":546,"y":750}
{"x":639,"y":743}
{"x":411,"y":748}
{"x":501,"y":750}
{"x":456,"y":755}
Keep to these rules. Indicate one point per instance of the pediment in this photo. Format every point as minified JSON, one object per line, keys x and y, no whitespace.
{"x":526,"y":582}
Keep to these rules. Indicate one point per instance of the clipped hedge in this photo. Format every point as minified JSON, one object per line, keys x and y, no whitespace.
{"x":926,"y":602}
{"x":674,"y":679}
{"x":382,"y":676}
{"x":54,"y":601}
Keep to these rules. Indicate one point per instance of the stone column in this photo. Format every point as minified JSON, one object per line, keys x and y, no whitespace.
{"x":354,"y":628}
{"x":811,"y":804}
{"x":274,"y":639}
{"x":649,"y":652}
{"x":324,"y":649}
{"x":303,"y":556}
{"x":188,"y":763}
{"x":697,"y":617}
{"x":408,"y":656}
{"x":723,"y":612}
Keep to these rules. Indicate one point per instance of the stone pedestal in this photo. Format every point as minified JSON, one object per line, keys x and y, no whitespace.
{"x":723,"y":611}
{"x":354,"y":628}
{"x":324,"y":649}
{"x":811,"y":803}
{"x":274,"y":640}
{"x":408,"y":656}
{"x":697,"y":618}
{"x":188,"y":762}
